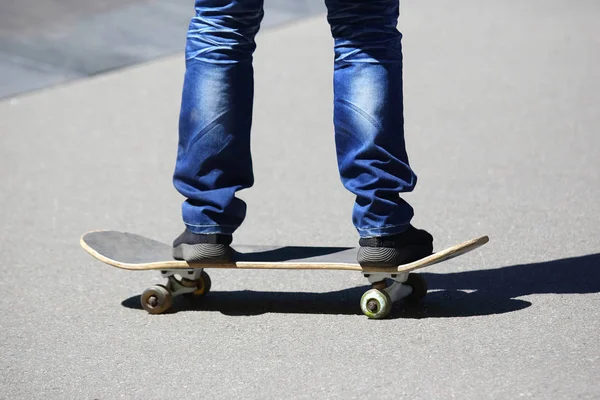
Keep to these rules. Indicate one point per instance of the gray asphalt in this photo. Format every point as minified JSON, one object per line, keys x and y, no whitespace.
{"x":502,"y":127}
{"x":47,"y":42}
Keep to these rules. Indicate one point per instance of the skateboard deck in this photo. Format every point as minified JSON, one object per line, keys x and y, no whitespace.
{"x":134,"y":252}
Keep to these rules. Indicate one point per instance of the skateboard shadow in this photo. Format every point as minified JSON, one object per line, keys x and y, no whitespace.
{"x":461,"y":294}
{"x":287,"y":253}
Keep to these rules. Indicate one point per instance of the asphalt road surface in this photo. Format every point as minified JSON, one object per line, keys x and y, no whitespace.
{"x":47,"y":42}
{"x":502,"y":128}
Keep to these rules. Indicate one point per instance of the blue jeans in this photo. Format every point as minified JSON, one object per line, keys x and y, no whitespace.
{"x":214,"y":159}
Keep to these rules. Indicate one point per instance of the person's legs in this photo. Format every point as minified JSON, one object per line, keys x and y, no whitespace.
{"x":213,"y":159}
{"x":369,"y":128}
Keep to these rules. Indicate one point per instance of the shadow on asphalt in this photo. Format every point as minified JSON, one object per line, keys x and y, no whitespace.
{"x":461,"y":294}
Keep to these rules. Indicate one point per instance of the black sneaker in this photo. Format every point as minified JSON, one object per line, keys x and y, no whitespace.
{"x":192,"y":247}
{"x":391,"y":251}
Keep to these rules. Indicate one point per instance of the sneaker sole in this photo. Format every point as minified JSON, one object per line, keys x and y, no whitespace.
{"x":390,"y":257}
{"x":202,"y":252}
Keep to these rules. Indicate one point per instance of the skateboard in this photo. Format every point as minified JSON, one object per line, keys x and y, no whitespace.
{"x":134,"y":252}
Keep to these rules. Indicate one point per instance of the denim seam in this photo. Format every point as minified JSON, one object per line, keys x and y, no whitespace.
{"x":201,"y":133}
{"x":381,"y":227}
{"x":214,"y":225}
{"x":361,"y":112}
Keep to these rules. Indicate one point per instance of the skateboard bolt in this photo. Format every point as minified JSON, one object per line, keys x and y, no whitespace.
{"x":152,"y":301}
{"x":372,"y":305}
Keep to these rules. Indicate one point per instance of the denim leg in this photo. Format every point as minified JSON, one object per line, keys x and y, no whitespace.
{"x":368,"y":113}
{"x":213,"y":158}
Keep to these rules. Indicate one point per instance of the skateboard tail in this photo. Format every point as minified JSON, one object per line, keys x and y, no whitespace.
{"x":446,"y":254}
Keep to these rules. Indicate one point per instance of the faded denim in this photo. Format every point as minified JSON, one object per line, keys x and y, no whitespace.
{"x":214,"y":159}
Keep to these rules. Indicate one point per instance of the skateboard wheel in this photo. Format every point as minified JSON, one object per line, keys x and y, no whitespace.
{"x":419,"y":288}
{"x":376,"y":304}
{"x":203,"y":285}
{"x":156,"y":299}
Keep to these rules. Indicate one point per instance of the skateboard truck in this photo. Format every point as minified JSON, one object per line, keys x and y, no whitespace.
{"x":191,"y":282}
{"x":377,"y":302}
